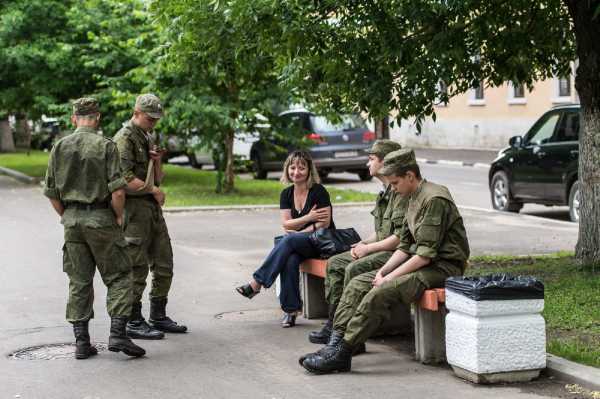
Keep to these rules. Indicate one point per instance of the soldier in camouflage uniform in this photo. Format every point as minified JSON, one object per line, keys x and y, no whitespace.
{"x":145,"y":228}
{"x":371,"y":253}
{"x":433,"y":246}
{"x":86,"y":188}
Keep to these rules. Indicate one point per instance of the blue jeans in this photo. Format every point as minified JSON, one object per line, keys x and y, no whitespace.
{"x":285,"y":260}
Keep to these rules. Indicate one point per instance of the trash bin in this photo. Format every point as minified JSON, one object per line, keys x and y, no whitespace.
{"x":494,"y":330}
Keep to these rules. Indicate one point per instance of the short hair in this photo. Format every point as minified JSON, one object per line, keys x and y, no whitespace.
{"x":88,"y":117}
{"x":301,"y":156}
{"x":401,"y":172}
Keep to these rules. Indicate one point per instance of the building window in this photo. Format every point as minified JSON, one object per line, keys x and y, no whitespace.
{"x":518,"y":90}
{"x":479,"y":91}
{"x":564,"y":86}
{"x":516,"y":93}
{"x":441,"y":99}
{"x":477,"y":95}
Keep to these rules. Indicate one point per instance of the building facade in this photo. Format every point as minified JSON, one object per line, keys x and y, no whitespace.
{"x":486,"y":117}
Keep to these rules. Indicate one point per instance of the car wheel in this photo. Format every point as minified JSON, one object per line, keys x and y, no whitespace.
{"x":257,"y":169}
{"x":500,"y":192}
{"x":194,"y":162}
{"x":323,"y":173}
{"x":364,"y":175}
{"x":574,"y":202}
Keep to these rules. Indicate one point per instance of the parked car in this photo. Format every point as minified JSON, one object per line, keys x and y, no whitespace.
{"x":338,"y":147}
{"x":541,"y":167}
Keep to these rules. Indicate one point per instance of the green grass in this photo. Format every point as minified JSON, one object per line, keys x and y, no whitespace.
{"x":33,"y":165}
{"x":572,"y":301}
{"x":190,"y":187}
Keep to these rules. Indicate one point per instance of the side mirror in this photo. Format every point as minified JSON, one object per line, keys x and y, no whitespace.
{"x":515,"y":141}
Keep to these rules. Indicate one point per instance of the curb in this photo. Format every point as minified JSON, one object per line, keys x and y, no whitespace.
{"x":208,"y":208}
{"x":23,"y":178}
{"x":586,"y":376}
{"x":455,"y":163}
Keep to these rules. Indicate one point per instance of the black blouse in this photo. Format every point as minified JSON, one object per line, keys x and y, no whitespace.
{"x":317,"y":195}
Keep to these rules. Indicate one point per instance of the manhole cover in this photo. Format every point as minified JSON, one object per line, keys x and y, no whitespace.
{"x":51,"y":351}
{"x":251,"y":315}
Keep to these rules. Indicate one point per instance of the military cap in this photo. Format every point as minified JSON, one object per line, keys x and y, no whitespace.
{"x":398,"y":160}
{"x":149,"y":104}
{"x":85,"y":106}
{"x":383,"y":147}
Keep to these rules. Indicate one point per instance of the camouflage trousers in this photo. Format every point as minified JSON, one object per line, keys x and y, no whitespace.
{"x":342,"y":268}
{"x":149,"y":247}
{"x":363,"y":308}
{"x":85,"y":249}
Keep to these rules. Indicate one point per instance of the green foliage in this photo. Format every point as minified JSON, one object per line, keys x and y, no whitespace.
{"x":229,"y":77}
{"x":391,"y":55}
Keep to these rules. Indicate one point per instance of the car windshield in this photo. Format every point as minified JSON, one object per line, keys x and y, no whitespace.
{"x":348,"y":122}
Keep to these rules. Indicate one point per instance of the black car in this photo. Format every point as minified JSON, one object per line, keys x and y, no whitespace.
{"x":540,"y":167}
{"x":336,"y":147}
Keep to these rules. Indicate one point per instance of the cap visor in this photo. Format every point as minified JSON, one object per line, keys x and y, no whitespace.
{"x":155,"y":115}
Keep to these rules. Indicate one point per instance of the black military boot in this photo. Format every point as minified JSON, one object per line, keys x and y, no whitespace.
{"x":322,"y":336}
{"x":158,"y":317}
{"x":118,"y":340}
{"x":338,"y":359}
{"x":335,"y":339}
{"x":83,"y":347}
{"x":137,"y":328}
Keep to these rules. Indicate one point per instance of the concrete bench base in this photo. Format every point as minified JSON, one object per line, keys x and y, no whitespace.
{"x":494,"y":378}
{"x":430,"y":335}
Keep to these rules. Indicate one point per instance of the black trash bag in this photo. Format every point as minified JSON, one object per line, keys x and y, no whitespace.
{"x":330,"y":242}
{"x":497,"y":287}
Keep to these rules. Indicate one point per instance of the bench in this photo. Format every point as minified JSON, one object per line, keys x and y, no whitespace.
{"x":429,"y":313}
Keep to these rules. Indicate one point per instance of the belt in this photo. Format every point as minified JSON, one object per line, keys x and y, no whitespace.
{"x":87,"y":207}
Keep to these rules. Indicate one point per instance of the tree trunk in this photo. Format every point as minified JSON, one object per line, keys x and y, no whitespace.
{"x":22,"y":132}
{"x":228,"y":185}
{"x":7,"y":143}
{"x":587,"y":32}
{"x":382,"y":128}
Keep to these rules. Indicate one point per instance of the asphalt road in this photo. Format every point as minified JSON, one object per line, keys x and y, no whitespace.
{"x":235,"y":348}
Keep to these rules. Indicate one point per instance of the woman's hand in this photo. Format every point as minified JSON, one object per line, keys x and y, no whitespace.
{"x":318,"y":215}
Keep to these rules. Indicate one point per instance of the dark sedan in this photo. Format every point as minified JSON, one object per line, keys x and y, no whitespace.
{"x":337,"y":146}
{"x":540,"y":167}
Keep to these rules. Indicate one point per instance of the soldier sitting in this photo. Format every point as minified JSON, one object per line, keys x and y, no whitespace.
{"x":433,"y":246}
{"x":371,"y":253}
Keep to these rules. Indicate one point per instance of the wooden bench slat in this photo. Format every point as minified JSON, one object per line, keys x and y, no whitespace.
{"x":317,"y":267}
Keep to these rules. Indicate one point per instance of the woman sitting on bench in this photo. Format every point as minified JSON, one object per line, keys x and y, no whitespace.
{"x":305,"y":207}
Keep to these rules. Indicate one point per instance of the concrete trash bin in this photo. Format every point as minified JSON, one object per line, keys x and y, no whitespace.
{"x":494,"y":330}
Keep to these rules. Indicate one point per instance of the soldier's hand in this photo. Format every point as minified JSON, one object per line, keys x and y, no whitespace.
{"x":120,"y":220}
{"x":378,"y":280}
{"x":360,"y":250}
{"x":159,"y":196}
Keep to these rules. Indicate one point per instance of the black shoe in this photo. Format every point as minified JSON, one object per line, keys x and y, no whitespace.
{"x":334,"y":340}
{"x":118,"y":340}
{"x":83,"y":347}
{"x":139,"y":329}
{"x":289,"y":320}
{"x":339,"y":360}
{"x":158,"y":317}
{"x":247,"y":291}
{"x":322,"y":336}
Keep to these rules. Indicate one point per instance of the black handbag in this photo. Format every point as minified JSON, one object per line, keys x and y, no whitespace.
{"x":330,"y":242}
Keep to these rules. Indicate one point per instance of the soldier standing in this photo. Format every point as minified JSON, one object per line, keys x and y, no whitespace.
{"x":86,"y":188}
{"x":433,"y":246}
{"x":374,"y":251}
{"x":145,"y":228}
